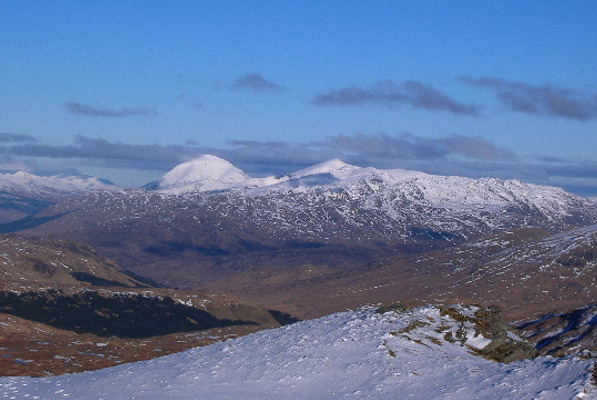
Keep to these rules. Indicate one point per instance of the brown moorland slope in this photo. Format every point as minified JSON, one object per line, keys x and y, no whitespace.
{"x":64,"y":308}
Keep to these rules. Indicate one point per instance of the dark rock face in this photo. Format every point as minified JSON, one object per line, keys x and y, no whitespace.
{"x":479,"y":330}
{"x":562,"y":333}
{"x":505,"y":345}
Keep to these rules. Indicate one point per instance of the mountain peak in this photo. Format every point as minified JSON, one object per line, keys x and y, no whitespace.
{"x":22,"y":174}
{"x":202,"y":170}
{"x":334,"y":167}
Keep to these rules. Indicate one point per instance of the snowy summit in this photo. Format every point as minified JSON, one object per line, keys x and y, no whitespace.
{"x":334,"y":167}
{"x":204,"y":173}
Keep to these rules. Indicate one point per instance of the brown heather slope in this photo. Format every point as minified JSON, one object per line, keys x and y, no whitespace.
{"x":527,"y":272}
{"x":30,"y":262}
{"x":35,"y":349}
{"x":64,"y":308}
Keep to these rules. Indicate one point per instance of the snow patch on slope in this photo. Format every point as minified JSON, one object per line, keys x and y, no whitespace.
{"x":357,"y":355}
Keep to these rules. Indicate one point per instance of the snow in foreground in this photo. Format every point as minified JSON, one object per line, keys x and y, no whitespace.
{"x":351,"y":355}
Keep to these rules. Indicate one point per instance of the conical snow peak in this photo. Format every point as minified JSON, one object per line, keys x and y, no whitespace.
{"x":201,"y":171}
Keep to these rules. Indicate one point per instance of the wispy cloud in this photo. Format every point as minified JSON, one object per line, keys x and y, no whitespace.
{"x":91,"y":111}
{"x":457,"y":155}
{"x":551,"y":159}
{"x":477,"y":148}
{"x":392,"y":94}
{"x":580,"y":178}
{"x":409,"y":146}
{"x":267,"y":157}
{"x":255,"y":82}
{"x":92,"y":148}
{"x":400,"y":147}
{"x":546,"y":100}
{"x":15,"y":138}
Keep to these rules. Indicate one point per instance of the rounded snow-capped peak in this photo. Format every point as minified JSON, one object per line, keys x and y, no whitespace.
{"x":206,"y":168}
{"x":334,"y":167}
{"x":22,"y":174}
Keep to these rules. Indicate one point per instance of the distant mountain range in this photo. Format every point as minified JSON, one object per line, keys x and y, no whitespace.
{"x":23,"y":194}
{"x":330,"y":202}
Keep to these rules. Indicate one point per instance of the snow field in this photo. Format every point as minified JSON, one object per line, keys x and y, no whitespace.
{"x":351,"y":355}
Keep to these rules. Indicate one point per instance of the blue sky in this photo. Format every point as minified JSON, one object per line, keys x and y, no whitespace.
{"x":125,"y":90}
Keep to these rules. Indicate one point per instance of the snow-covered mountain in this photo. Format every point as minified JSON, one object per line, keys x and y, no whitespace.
{"x":22,"y":193}
{"x":423,"y":353}
{"x":50,"y":187}
{"x":352,"y":194}
{"x":206,"y":173}
{"x":395,"y":193}
{"x":374,"y":188}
